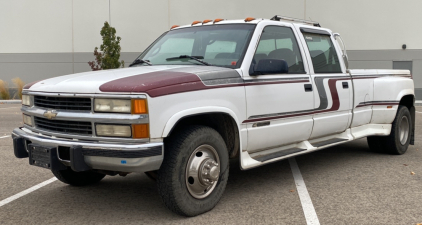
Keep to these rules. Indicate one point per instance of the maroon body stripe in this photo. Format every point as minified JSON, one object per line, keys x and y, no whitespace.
{"x":27,"y":86}
{"x":162,"y":83}
{"x":377,"y":103}
{"x":334,"y":107}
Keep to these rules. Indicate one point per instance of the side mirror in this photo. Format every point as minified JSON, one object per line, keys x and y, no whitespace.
{"x":271,"y":66}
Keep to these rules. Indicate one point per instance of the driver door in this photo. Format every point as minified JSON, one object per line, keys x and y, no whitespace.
{"x":279,"y":105}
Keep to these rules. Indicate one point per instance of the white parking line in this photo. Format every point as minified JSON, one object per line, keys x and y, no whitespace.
{"x":307,"y":206}
{"x":27,"y":191}
{"x":418,"y":112}
{"x":5,"y":136}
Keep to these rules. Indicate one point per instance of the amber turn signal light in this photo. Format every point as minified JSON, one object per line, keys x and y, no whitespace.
{"x":218,"y":20}
{"x":249,"y":19}
{"x":139,"y":106}
{"x":196,"y":22}
{"x":174,"y":26}
{"x":389,"y":107}
{"x":140,"y":131}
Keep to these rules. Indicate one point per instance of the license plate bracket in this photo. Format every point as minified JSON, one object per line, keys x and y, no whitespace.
{"x":40,"y":155}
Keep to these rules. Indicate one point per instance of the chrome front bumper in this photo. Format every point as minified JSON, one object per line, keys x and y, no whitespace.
{"x":116,"y":156}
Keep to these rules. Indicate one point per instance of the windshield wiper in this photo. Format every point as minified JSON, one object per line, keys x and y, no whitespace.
{"x":196,"y":58}
{"x":140,"y":61}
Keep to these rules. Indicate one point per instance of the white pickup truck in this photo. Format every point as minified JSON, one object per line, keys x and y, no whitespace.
{"x":257,"y":89}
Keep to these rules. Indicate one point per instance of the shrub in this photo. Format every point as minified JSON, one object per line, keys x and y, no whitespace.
{"x":19,"y":86}
{"x":109,"y":56}
{"x":4,"y":90}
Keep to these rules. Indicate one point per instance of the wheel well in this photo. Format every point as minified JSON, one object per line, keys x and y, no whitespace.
{"x":407,"y":101}
{"x":223,"y":123}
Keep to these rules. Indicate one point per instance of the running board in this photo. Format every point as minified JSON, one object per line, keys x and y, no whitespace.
{"x":328,"y":142}
{"x":263,"y":158}
{"x":250,"y":160}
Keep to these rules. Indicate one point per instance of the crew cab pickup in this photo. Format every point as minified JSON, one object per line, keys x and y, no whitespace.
{"x":262,"y":90}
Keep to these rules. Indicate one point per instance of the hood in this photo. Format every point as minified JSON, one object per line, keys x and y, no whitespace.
{"x":141,"y":79}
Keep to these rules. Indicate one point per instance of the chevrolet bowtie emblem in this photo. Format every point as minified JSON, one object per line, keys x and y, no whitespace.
{"x":50,"y":114}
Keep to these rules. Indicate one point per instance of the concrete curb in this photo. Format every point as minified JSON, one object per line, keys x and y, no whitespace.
{"x":10,"y":102}
{"x":418,"y":103}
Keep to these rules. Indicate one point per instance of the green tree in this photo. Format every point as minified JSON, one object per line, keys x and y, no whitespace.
{"x":109,"y":54}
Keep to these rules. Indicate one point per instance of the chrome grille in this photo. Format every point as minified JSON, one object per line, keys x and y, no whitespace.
{"x":63,"y":103}
{"x":63,"y":126}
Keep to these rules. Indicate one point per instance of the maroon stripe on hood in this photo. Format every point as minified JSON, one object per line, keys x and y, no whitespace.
{"x":162,"y":83}
{"x":27,"y":86}
{"x":149,"y":81}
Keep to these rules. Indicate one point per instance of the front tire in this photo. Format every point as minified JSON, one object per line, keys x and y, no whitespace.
{"x":194,"y":173}
{"x":73,"y":178}
{"x":398,"y":141}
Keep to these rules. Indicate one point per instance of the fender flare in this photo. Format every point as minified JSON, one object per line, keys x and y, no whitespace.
{"x":405,"y":92}
{"x":195,"y":111}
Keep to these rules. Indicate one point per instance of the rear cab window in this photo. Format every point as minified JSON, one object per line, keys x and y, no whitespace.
{"x":323,"y":53}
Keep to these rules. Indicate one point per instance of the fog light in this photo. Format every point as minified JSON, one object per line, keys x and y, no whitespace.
{"x":27,"y":120}
{"x":113,"y":130}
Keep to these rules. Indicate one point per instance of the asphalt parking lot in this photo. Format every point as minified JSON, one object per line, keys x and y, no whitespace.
{"x":348,"y":184}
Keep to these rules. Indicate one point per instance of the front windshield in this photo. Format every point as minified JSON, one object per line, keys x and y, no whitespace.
{"x":218,"y":45}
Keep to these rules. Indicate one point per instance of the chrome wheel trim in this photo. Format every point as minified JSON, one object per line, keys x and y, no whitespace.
{"x":404,"y":130}
{"x":202,"y":171}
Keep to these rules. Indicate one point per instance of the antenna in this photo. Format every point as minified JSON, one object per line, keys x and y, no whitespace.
{"x":278,"y":18}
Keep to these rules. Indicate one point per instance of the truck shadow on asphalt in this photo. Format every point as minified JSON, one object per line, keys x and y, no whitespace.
{"x":135,"y":197}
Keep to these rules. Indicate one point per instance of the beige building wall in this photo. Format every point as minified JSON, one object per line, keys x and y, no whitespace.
{"x":45,"y":38}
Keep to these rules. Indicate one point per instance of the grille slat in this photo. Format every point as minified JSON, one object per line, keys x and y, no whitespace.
{"x":63,"y":126}
{"x":53,"y":122}
{"x":63,"y":103}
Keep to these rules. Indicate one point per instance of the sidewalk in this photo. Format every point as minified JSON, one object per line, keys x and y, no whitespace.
{"x":10,"y":102}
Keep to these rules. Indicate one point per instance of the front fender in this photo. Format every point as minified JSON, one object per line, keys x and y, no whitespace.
{"x":194,"y":111}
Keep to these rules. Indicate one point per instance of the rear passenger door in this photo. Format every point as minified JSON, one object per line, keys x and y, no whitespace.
{"x":279,"y":105}
{"x":333,"y":87}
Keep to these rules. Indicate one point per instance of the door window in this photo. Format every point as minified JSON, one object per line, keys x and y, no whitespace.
{"x":323,"y":54}
{"x":279,"y":43}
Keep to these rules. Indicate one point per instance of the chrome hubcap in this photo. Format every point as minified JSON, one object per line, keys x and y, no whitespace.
{"x":202,"y":171}
{"x":404,"y":130}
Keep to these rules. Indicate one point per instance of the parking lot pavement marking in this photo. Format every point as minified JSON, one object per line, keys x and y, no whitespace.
{"x":27,"y":191}
{"x":418,"y":112}
{"x":307,"y":206}
{"x":5,"y":136}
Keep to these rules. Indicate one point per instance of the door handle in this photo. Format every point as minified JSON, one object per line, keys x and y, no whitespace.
{"x":308,"y":87}
{"x":345,"y":85}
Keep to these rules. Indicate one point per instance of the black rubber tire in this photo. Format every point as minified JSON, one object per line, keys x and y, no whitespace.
{"x":171,"y":176}
{"x":73,"y":178}
{"x":391,"y":143}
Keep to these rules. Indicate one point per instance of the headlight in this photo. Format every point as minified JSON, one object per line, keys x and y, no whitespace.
{"x":134,"y":106}
{"x":27,"y":120}
{"x":26,"y":100}
{"x":113,"y":130}
{"x":112,"y":105}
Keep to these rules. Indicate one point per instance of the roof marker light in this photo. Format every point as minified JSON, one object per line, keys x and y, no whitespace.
{"x":174,"y":26}
{"x":249,"y":19}
{"x":196,"y":22}
{"x":218,"y":20}
{"x":206,"y":21}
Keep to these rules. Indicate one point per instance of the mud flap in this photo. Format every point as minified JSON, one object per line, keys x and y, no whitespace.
{"x":412,"y":114}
